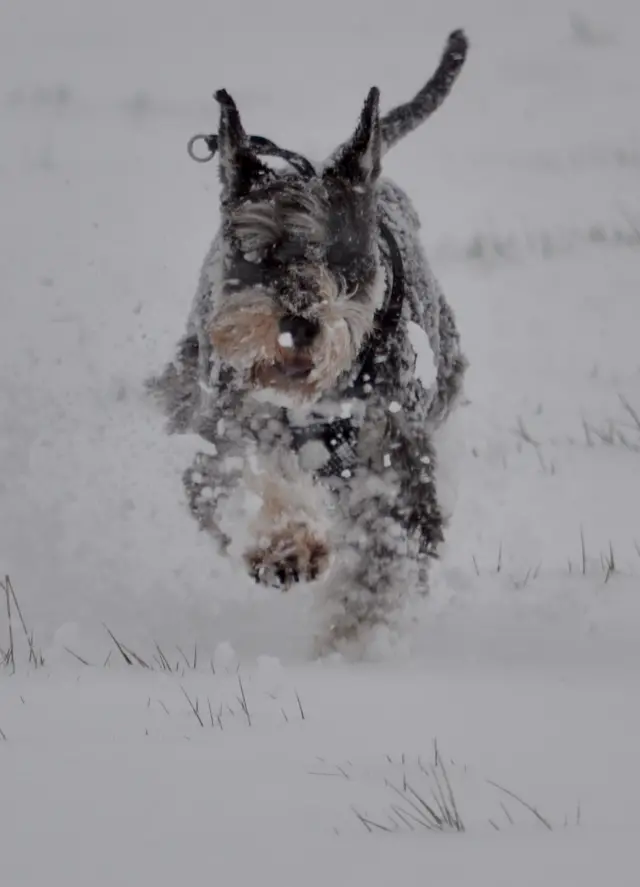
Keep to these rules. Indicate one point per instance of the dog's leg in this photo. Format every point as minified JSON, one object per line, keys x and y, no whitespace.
{"x":378,"y":564}
{"x":452,"y":366}
{"x":392,"y":526}
{"x":176,"y":388}
{"x":289,"y":532}
{"x":210,"y":483}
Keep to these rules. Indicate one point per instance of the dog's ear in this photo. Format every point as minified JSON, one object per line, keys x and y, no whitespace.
{"x":239,"y":167}
{"x":358,"y":160}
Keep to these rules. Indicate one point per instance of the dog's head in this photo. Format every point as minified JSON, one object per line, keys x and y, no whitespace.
{"x":302,"y":278}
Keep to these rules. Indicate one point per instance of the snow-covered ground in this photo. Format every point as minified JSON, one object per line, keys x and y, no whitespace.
{"x":523,"y":668}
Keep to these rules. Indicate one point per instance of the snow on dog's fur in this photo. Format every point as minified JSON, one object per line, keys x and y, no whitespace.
{"x":313,"y":277}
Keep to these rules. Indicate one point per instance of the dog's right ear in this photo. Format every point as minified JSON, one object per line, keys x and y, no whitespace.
{"x":239,"y":166}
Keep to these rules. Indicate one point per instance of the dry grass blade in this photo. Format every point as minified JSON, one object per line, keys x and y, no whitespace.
{"x":32,"y":653}
{"x":631,"y":411}
{"x":583,"y":550}
{"x":165,"y":665}
{"x":369,"y":824}
{"x":3,"y":735}
{"x":194,"y":708}
{"x":137,"y":658}
{"x":627,"y":443}
{"x":403,"y":816}
{"x":78,"y":657}
{"x":302,"y":714}
{"x":186,"y":659}
{"x":242,"y":699}
{"x":440,"y":801}
{"x":452,"y":807}
{"x":536,"y":572}
{"x":523,"y":432}
{"x":119,"y":646}
{"x":609,"y":564}
{"x":529,"y":807}
{"x":128,"y":655}
{"x":506,"y":813}
{"x":10,"y":656}
{"x":425,"y":812}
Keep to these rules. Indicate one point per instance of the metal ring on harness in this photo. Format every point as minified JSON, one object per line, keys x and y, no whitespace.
{"x":193,"y":141}
{"x":260,"y":145}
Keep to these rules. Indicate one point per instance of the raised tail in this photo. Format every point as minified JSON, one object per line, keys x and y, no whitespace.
{"x":405,"y":118}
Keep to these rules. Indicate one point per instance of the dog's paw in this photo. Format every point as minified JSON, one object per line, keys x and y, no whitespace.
{"x":292,"y":554}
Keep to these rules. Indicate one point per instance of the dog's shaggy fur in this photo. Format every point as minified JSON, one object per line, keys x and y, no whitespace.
{"x":298,"y":363}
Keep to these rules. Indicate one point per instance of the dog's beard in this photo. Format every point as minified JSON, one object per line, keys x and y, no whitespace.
{"x":245,"y":333}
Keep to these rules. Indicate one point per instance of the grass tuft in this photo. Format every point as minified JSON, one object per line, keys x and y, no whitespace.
{"x":436,"y":808}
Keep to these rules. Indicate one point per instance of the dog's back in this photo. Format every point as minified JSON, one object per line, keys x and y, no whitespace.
{"x":425,"y":304}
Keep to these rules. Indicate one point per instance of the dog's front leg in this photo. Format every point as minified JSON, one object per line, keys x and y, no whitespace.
{"x":211,"y":484}
{"x":289,"y":531}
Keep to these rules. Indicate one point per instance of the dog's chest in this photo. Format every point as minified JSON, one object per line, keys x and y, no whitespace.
{"x":324,"y":436}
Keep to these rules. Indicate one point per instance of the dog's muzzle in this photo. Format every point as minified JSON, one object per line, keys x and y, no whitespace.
{"x":297,"y":332}
{"x":295,"y":368}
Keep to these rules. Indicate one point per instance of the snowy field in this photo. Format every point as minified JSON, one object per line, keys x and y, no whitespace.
{"x":234,"y":756}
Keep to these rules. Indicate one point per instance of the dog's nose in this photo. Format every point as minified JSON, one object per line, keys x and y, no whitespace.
{"x":301,"y":330}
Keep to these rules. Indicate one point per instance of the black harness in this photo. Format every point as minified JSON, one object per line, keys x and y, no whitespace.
{"x":338,"y":435}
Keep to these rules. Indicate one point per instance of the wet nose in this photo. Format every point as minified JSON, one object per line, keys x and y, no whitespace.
{"x":301,"y":330}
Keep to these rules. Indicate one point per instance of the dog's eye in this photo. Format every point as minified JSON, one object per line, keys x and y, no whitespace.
{"x":339,"y":255}
{"x":288,"y":251}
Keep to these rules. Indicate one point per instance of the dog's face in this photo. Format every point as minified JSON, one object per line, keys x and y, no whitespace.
{"x":302,"y":279}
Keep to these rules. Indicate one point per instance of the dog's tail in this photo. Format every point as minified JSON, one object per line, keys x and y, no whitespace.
{"x":405,"y":118}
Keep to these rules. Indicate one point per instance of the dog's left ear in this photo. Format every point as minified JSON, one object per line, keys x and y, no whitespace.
{"x":358,"y":160}
{"x":240,"y":168}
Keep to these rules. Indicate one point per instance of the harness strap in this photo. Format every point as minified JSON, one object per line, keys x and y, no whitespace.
{"x":339,"y":436}
{"x":260,"y":145}
{"x":379,"y":343}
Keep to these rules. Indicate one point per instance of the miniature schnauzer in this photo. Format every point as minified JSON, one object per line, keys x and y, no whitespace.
{"x":301,"y":364}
